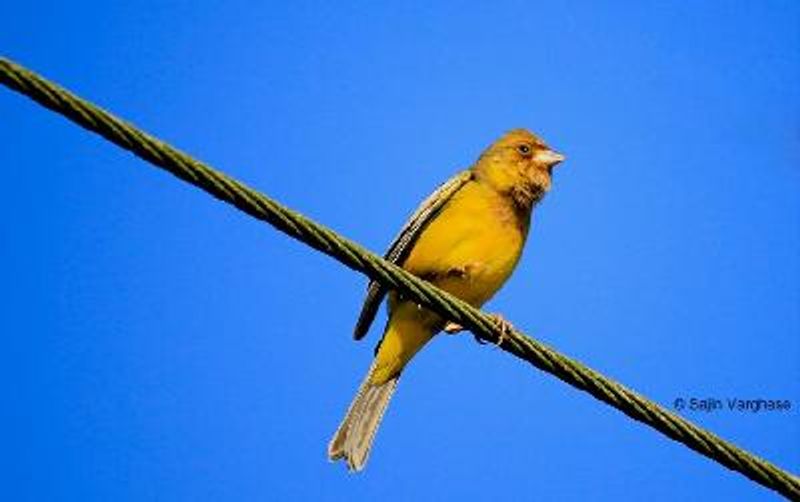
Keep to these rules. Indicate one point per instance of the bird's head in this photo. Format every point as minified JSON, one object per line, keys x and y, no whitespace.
{"x":520,"y":164}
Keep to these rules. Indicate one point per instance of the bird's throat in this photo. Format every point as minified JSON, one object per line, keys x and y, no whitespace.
{"x":525,"y":196}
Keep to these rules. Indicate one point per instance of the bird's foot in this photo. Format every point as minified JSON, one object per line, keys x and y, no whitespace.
{"x":504,"y":326}
{"x":453,"y":328}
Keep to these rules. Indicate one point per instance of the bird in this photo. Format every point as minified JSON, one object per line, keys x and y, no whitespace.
{"x":466,"y":238}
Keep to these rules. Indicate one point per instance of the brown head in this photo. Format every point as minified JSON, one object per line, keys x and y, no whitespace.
{"x":519,"y":164}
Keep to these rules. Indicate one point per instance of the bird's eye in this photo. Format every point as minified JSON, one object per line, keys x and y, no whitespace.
{"x":524,"y":149}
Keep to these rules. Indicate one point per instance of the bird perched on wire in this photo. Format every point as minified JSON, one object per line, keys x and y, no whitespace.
{"x":466,"y":238}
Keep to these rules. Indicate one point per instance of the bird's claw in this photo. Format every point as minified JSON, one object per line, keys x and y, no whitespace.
{"x":452,"y":328}
{"x":504,"y":326}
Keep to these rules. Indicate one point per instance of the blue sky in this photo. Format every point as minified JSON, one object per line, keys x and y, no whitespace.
{"x":162,"y":346}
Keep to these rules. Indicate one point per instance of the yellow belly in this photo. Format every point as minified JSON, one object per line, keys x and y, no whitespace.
{"x":470,"y":249}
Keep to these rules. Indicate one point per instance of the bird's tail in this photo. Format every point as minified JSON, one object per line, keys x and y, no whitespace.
{"x":353,"y":439}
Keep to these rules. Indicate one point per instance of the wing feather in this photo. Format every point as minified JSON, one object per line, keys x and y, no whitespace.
{"x":403,"y":243}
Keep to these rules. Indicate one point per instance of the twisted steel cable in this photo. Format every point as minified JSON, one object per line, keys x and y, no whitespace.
{"x":391,"y":276}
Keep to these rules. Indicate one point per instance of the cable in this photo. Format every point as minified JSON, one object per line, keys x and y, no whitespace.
{"x":391,"y":276}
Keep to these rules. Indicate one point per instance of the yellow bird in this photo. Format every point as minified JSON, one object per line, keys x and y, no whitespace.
{"x":466,"y":238}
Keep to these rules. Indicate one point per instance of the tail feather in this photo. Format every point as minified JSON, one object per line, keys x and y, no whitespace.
{"x":353,"y":439}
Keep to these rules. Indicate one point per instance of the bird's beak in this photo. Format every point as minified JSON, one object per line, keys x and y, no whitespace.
{"x":549,"y":158}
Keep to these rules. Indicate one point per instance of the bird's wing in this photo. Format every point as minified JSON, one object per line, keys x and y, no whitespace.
{"x":401,"y":246}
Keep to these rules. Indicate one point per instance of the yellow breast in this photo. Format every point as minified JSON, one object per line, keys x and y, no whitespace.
{"x":472,"y":246}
